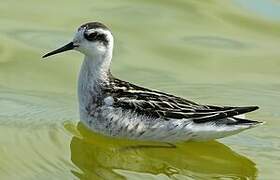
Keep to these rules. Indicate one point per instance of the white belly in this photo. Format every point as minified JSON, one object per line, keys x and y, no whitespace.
{"x":115,"y":122}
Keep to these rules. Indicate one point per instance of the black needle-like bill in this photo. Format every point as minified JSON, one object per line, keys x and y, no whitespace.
{"x":67,"y":47}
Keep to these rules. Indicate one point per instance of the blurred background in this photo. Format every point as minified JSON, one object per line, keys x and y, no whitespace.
{"x":210,"y":51}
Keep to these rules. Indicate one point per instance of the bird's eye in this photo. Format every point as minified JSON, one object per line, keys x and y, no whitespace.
{"x":96,"y":36}
{"x":91,"y":36}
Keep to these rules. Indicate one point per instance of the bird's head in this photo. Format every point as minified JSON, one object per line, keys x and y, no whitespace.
{"x":91,"y":39}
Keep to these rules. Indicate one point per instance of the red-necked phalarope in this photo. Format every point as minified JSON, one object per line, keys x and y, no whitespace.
{"x":118,"y":108}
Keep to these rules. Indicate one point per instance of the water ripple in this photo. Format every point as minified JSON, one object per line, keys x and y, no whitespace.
{"x":216,"y":42}
{"x":28,"y":108}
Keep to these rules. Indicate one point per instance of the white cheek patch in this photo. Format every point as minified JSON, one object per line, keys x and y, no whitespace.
{"x":100,"y":47}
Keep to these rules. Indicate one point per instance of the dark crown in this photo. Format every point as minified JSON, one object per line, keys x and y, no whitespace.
{"x":94,"y":25}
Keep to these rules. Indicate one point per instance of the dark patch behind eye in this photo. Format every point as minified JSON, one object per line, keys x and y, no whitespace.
{"x":97,"y":37}
{"x":91,"y":36}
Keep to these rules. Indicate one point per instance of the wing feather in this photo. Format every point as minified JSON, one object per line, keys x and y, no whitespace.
{"x":156,"y":104}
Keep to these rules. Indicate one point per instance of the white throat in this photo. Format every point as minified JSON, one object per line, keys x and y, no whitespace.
{"x":93,"y":74}
{"x":95,"y":69}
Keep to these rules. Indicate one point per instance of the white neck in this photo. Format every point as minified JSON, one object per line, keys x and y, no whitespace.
{"x":93,"y":74}
{"x":95,"y":68}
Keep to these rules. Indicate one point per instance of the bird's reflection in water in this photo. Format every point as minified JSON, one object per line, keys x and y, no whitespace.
{"x":100,"y":157}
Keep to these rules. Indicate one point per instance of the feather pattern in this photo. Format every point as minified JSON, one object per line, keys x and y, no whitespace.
{"x":168,"y":107}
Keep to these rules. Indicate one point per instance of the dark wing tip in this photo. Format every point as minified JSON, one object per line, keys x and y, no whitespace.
{"x":240,"y":121}
{"x":227,"y":112}
{"x":246,"y":109}
{"x":255,"y":107}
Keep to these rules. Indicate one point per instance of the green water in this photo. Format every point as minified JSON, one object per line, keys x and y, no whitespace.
{"x":210,"y":51}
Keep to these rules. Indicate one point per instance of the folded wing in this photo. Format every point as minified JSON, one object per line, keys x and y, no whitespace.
{"x":156,"y":104}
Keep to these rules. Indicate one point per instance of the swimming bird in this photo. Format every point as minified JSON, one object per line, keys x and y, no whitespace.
{"x":114,"y":107}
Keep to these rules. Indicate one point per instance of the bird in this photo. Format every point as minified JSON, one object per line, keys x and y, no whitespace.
{"x":120,"y":109}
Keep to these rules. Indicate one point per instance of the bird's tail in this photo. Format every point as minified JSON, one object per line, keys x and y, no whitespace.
{"x":233,"y":126}
{"x":240,"y":121}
